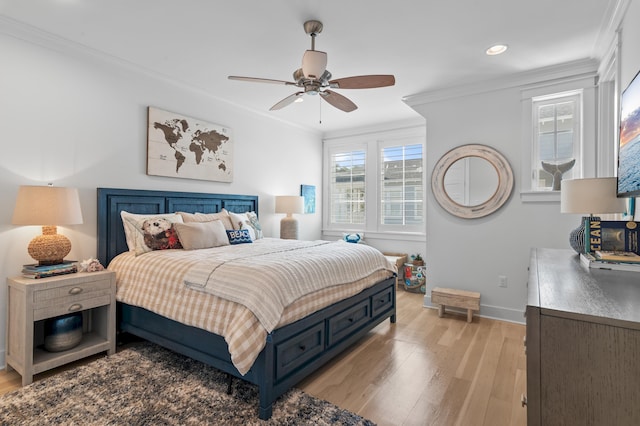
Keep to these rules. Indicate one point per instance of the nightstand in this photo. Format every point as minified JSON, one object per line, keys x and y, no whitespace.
{"x":31,"y":301}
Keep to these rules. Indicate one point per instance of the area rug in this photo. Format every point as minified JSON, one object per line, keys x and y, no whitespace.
{"x":149,"y":385}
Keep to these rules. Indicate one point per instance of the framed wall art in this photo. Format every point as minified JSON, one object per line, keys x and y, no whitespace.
{"x":185,"y":147}
{"x":309,"y":194}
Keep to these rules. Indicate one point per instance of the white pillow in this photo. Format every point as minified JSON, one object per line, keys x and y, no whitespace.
{"x":222,"y":215}
{"x":199,"y":235}
{"x":158,"y":229}
{"x":247,"y":221}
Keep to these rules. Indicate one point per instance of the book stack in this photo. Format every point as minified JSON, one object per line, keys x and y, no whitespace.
{"x":45,"y":271}
{"x":591,"y":260}
{"x":612,"y":245}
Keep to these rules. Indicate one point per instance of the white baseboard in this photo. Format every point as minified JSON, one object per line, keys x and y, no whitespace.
{"x":486,"y":311}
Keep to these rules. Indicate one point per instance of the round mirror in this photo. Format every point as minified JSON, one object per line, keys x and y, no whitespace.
{"x":472,"y":181}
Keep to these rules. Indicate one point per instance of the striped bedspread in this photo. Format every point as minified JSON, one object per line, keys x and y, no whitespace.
{"x":156,"y":281}
{"x":282,"y":272}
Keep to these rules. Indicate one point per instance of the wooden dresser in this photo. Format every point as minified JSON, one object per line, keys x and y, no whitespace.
{"x":583,"y":342}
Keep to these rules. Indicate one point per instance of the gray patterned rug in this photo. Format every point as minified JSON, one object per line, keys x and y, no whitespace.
{"x":145,"y":384}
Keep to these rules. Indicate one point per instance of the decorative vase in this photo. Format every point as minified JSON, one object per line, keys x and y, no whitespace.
{"x":62,"y":333}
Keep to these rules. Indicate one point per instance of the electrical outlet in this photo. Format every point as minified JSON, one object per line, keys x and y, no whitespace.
{"x":502,"y":281}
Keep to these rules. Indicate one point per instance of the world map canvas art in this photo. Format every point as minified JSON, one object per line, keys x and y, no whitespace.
{"x":184,"y":147}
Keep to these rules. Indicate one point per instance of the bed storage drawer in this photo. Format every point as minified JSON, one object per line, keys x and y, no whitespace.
{"x":295,"y":351}
{"x":381,"y":302}
{"x":346,"y":322}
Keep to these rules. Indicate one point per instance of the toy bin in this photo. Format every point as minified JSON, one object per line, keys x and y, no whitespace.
{"x":415,"y":279}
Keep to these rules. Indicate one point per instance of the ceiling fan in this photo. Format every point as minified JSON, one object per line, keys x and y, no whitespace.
{"x":314,"y":78}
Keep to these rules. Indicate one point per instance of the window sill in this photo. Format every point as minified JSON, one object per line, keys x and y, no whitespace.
{"x":540,"y":196}
{"x":398,"y":236}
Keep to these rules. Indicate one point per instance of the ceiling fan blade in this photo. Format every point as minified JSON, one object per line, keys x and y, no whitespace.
{"x":363,"y":82}
{"x":261,"y":80}
{"x":338,"y":101}
{"x":286,"y":101}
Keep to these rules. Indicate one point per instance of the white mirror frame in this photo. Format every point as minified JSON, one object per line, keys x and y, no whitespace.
{"x":499,"y":197}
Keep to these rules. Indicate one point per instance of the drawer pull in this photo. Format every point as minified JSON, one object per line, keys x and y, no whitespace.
{"x":302,"y":348}
{"x":75,"y":307}
{"x":350,"y":319}
{"x":76,"y":290}
{"x":523,"y":400}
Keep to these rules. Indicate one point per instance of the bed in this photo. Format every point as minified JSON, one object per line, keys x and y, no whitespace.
{"x":290,"y":352}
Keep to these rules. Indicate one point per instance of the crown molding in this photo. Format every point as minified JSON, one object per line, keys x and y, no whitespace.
{"x":570,"y":70}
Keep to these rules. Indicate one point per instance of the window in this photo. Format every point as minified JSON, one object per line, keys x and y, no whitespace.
{"x":557,"y":140}
{"x":347,"y":187}
{"x":374,"y":183}
{"x":559,"y":117}
{"x":401,"y":185}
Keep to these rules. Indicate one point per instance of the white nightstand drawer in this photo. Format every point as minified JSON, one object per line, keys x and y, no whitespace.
{"x":75,"y":291}
{"x":67,"y":307}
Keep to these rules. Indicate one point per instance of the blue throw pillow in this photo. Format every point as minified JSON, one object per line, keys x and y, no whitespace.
{"x":238,"y":236}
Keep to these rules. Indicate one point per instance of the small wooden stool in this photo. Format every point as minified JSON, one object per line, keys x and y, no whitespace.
{"x":469,"y":300}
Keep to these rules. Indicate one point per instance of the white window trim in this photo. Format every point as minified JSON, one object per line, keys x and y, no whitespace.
{"x":372,"y":143}
{"x":588,"y":160}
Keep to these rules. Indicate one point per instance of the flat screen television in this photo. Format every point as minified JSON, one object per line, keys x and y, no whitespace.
{"x":629,"y":141}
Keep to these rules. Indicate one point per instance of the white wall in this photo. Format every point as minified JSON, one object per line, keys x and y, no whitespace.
{"x":77,"y":119}
{"x":630,"y":46}
{"x":471,"y":254}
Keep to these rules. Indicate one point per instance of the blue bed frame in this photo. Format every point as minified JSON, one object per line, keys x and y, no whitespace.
{"x":291,"y":353}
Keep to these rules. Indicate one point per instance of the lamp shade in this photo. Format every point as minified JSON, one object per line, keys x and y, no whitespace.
{"x":289,"y":204}
{"x":590,"y":196}
{"x":47,"y":205}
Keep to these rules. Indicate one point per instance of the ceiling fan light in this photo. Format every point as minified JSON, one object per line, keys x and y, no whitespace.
{"x":314,"y":63}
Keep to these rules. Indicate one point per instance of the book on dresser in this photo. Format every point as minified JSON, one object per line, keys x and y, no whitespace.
{"x":590,"y":260}
{"x":617,"y":256}
{"x":611,"y":235}
{"x":43,"y":271}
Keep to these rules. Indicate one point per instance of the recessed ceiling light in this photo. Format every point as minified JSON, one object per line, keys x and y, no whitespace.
{"x":496,"y":49}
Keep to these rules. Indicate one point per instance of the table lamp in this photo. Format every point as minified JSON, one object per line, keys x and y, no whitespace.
{"x":48,"y":206}
{"x":290,"y":205}
{"x":590,"y":196}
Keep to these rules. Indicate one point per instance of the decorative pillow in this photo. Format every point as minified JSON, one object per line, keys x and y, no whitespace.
{"x":356,"y":237}
{"x":199,"y":235}
{"x":147,"y":232}
{"x":247,"y":221}
{"x":223,"y":215}
{"x":239,"y":236}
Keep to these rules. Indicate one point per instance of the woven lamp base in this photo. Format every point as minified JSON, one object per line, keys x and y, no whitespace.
{"x":50,"y":248}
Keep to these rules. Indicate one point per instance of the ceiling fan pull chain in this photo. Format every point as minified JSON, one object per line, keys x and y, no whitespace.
{"x":320,"y":106}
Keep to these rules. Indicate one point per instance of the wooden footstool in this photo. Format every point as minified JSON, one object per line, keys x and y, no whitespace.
{"x":469,"y":300}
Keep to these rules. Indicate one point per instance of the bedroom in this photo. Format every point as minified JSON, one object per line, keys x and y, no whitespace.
{"x":82,"y":124}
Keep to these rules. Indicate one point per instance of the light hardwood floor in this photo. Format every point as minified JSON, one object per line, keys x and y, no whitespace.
{"x":423,"y":370}
{"x":426,"y":370}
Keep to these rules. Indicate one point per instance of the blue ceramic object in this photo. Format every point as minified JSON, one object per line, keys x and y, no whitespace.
{"x":62,"y":333}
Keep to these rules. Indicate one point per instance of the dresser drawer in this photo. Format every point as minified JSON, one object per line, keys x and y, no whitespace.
{"x":299,"y":349}
{"x":346,"y":322}
{"x":76,"y":291}
{"x":381,"y":302}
